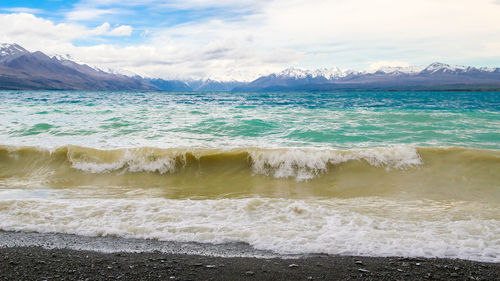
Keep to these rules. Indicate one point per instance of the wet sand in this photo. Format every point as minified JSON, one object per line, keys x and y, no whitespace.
{"x":37,"y":263}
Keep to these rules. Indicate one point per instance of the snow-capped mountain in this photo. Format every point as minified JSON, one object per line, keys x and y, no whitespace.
{"x":336,"y":73}
{"x":436,"y":76}
{"x":11,"y":51}
{"x":293,"y":72}
{"x":69,"y":60}
{"x":437,"y":67}
{"x":443,"y":68}
{"x":330,"y":73}
{"x":326,"y":73}
{"x":21,"y":69}
{"x":8,"y":49}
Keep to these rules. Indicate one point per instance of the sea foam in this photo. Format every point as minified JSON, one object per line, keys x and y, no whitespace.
{"x":306,"y":164}
{"x":301,"y":164}
{"x":361,"y":226}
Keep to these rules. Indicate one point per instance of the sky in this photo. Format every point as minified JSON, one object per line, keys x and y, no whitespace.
{"x":243,"y":39}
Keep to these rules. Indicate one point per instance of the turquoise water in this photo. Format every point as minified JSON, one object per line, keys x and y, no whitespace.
{"x":342,"y":120}
{"x":342,"y":173}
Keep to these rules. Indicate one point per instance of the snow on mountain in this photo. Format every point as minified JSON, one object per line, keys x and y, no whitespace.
{"x":58,"y":72}
{"x":397,"y":70}
{"x":293,"y":72}
{"x":7,"y":49}
{"x":336,"y":73}
{"x":21,"y":69}
{"x":327,"y":73}
{"x":442,"y":67}
{"x":488,"y":69}
{"x":9,"y":52}
{"x":67,"y":57}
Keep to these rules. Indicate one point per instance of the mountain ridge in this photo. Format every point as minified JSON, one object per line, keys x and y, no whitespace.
{"x":437,"y":76}
{"x":24,"y":70}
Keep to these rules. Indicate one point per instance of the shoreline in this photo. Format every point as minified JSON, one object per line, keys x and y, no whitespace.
{"x":36,"y":263}
{"x":113,"y":244}
{"x":52,"y":256}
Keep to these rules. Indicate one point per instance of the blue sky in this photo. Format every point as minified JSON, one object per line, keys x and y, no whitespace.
{"x":230,"y":39}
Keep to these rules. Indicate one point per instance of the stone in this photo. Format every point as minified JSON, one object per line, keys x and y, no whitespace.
{"x":363,"y":270}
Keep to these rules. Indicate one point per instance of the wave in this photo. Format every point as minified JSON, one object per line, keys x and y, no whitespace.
{"x":280,"y":163}
{"x":403,"y":201}
{"x":288,"y":172}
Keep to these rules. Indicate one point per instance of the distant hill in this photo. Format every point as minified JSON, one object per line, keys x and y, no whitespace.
{"x":195,"y":85}
{"x":169,"y":85}
{"x":213,"y":85}
{"x":24,"y":70}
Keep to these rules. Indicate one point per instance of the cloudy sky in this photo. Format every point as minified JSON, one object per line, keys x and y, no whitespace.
{"x":242,"y":39}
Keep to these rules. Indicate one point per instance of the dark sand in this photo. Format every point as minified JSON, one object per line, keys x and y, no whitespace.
{"x":36,"y":263}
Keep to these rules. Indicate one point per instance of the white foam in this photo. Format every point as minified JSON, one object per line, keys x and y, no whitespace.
{"x":307,"y":164}
{"x":361,"y":226}
{"x":298,"y":163}
{"x":131,"y":162}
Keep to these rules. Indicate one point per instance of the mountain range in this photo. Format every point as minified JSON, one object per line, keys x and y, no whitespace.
{"x":24,"y":70}
{"x":21,"y":69}
{"x":437,"y":76}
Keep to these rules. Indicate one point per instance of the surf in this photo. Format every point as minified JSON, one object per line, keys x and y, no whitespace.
{"x":404,"y":171}
{"x":369,"y":226}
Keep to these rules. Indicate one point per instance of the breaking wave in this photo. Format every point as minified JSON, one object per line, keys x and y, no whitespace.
{"x":301,"y":164}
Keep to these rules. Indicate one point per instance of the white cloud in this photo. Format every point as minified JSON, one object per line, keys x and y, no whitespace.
{"x":23,"y":10}
{"x":178,"y":4}
{"x":162,"y":57}
{"x":273,"y":34}
{"x":28,"y":28}
{"x":378,"y":64}
{"x":38,"y":33}
{"x":105,"y":29}
{"x":81,"y":14}
{"x":490,"y":49}
{"x":122,"y":30}
{"x":394,"y":29}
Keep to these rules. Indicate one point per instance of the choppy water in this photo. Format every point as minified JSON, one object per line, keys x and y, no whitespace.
{"x":332,"y":120}
{"x":367,"y":173}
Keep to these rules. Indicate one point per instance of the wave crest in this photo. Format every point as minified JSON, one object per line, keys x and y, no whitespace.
{"x":307,"y":164}
{"x":301,"y":164}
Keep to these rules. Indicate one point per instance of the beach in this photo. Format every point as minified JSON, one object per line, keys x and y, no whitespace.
{"x":264,"y":186}
{"x":49,"y":263}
